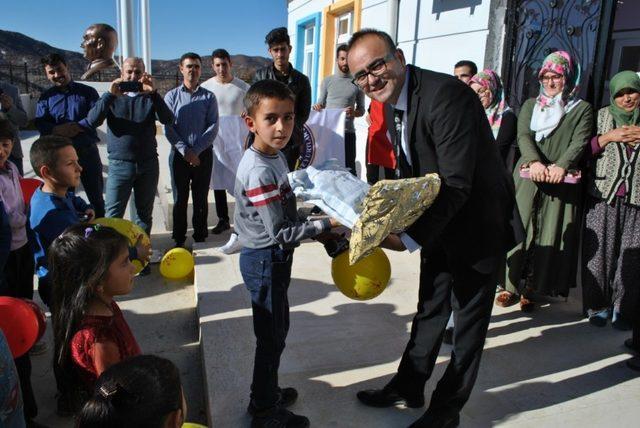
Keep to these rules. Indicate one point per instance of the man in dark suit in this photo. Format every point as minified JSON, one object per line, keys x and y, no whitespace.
{"x":463,"y":237}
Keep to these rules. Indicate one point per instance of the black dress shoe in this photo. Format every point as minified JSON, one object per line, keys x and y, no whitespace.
{"x":221,"y":227}
{"x":387,"y":397}
{"x":630,"y":345}
{"x":287,"y":397}
{"x":429,"y":420}
{"x":279,"y":417}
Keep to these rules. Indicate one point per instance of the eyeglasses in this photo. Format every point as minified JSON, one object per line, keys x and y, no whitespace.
{"x":376,"y":69}
{"x":555,"y":78}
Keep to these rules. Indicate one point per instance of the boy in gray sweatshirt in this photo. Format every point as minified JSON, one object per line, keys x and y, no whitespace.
{"x":269,"y":229}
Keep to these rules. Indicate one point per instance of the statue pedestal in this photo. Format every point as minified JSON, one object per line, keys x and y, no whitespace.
{"x":101,"y":87}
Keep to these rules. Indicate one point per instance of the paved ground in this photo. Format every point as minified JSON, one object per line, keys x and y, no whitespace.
{"x":545,"y":369}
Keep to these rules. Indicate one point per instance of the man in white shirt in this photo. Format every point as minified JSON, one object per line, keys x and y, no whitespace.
{"x":229,"y":92}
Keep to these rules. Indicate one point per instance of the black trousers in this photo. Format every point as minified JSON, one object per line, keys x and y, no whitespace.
{"x":197,"y":178}
{"x":222,"y":209}
{"x":18,"y":272}
{"x":445,"y":286}
{"x":350,"y":151}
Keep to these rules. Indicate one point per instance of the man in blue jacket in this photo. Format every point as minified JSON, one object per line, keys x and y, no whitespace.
{"x":62,"y":110}
{"x":131,"y":142}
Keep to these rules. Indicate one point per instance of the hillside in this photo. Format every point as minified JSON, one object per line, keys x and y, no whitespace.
{"x":17,"y":49}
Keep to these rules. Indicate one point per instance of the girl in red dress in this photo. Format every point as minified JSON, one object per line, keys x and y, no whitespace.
{"x":89,"y":266}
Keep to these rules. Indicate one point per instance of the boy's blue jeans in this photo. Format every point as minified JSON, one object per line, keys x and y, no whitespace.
{"x":267,"y":273}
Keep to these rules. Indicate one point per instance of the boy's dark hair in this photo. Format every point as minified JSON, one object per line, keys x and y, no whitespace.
{"x":391,"y":45}
{"x":466,"y":63}
{"x":221,"y":54}
{"x":79,"y":260}
{"x":342,"y":47}
{"x":190,"y":55}
{"x":53,"y":59}
{"x":266,"y":89}
{"x":44,"y":151}
{"x":7,"y":130}
{"x":138,"y":392}
{"x":277,"y":36}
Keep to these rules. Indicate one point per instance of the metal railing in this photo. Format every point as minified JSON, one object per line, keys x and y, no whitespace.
{"x":32,"y":80}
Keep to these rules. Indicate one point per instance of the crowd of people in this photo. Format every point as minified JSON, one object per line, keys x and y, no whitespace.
{"x":526,"y":202}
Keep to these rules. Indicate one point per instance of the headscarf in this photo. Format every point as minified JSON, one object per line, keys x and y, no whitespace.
{"x":489,"y":80}
{"x":624,"y":80}
{"x":549,"y":111}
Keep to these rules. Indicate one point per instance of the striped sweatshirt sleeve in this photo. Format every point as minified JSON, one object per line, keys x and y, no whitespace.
{"x":271,"y":199}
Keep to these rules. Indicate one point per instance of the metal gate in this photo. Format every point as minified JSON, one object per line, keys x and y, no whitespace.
{"x":535,"y":28}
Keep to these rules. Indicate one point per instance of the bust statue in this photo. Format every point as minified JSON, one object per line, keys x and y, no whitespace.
{"x":99,"y":43}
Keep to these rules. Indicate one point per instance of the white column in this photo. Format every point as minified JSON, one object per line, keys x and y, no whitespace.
{"x":145,"y":30}
{"x":127,"y":41}
{"x":393,"y":18}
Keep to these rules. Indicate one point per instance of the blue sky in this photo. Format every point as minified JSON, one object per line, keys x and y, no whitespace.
{"x":177,"y":26}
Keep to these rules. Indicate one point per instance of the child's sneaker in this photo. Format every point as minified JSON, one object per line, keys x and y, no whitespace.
{"x":278,"y":417}
{"x":232,"y":246}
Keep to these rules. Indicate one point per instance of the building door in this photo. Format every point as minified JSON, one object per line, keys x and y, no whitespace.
{"x":535,"y":28}
{"x":623,"y":52}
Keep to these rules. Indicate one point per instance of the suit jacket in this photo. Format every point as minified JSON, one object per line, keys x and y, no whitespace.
{"x":471,"y":220}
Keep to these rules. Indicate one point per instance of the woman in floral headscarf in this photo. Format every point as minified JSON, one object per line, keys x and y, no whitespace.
{"x":502,"y":119}
{"x":553,"y":129}
{"x":611,"y":242}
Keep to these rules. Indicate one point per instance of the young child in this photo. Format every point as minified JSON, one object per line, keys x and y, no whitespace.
{"x":53,"y":206}
{"x":89,"y":266}
{"x":17,"y":272}
{"x":268,"y":228}
{"x":143,"y":391}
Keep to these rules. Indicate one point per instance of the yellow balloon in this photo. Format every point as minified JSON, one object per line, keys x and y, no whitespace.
{"x":176,"y":264}
{"x":365,"y":279}
{"x":192,"y":425}
{"x":130,"y":230}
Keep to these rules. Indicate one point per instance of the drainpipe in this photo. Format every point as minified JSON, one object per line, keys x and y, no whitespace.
{"x":393,"y":6}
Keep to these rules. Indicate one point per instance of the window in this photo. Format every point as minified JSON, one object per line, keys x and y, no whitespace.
{"x":344,"y":28}
{"x":309,"y":35}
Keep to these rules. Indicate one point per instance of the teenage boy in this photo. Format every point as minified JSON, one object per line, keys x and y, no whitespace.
{"x":268,"y":227}
{"x":191,"y":135}
{"x":281,"y":70}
